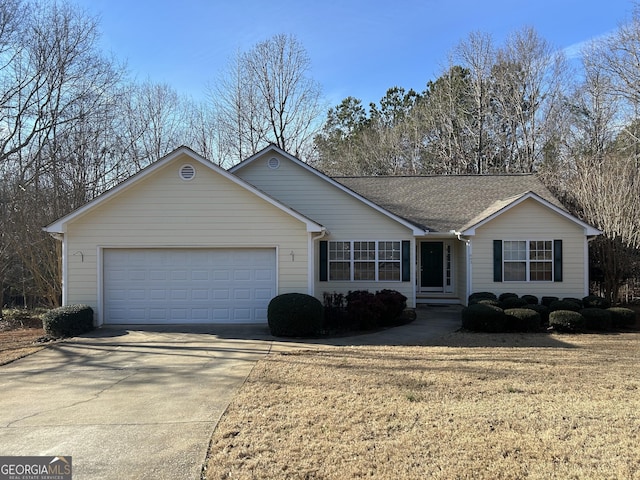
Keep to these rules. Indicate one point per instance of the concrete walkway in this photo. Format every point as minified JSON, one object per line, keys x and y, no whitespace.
{"x":143,"y":403}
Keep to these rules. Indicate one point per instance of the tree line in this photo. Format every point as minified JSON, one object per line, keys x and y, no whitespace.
{"x":73,"y":124}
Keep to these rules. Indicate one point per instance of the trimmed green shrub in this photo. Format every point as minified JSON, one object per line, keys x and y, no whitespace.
{"x":523,"y":320}
{"x":393,"y":304}
{"x":364,"y":310}
{"x":542,"y":311}
{"x":566,"y":321}
{"x":596,"y":319}
{"x":564,"y":305}
{"x":594,"y":301}
{"x":547,"y":301}
{"x":577,"y":301}
{"x":295,"y":315}
{"x":622,"y":317}
{"x":512,"y":302}
{"x":476,"y":297}
{"x":484,"y":318}
{"x":487,"y":301}
{"x":68,"y":321}
{"x":530,"y":299}
{"x":503,"y":296}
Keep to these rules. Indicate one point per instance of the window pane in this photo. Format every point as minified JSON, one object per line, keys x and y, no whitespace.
{"x":515,"y":271}
{"x":364,"y":250}
{"x":515,"y":250}
{"x":339,"y":271}
{"x":389,"y":271}
{"x":389,"y":251}
{"x":364,"y":271}
{"x":541,"y":271}
{"x":339,"y":251}
{"x":540,"y":250}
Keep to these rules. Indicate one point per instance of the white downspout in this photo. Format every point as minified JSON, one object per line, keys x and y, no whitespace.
{"x":469,"y":252}
{"x":311,"y":260}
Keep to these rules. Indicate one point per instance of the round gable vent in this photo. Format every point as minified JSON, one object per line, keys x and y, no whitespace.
{"x":273,"y":163}
{"x":187,"y":172}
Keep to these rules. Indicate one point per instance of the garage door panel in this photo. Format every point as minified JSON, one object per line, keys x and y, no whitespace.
{"x":188,"y":285}
{"x":241,"y":315}
{"x":221,"y":294}
{"x":263,"y":294}
{"x":200,"y":276}
{"x":198,"y":295}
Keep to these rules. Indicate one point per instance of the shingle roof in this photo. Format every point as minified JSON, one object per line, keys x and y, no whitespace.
{"x":446,"y":202}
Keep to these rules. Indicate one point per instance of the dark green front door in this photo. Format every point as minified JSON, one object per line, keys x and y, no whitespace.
{"x":431,"y":263}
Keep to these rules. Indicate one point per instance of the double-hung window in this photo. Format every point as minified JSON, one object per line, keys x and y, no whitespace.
{"x":528,"y":260}
{"x":365,"y":260}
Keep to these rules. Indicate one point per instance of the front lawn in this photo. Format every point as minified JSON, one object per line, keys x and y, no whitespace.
{"x":481,"y":406}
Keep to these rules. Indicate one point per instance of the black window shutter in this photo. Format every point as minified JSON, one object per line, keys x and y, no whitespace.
{"x":406,"y":260}
{"x":324,"y":261}
{"x":557,"y":260}
{"x":497,"y":260}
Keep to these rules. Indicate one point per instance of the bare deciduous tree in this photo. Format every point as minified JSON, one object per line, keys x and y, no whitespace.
{"x":477,"y":56}
{"x":266,"y":96}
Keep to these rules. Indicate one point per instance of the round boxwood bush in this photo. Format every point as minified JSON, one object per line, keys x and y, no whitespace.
{"x":566,"y":321}
{"x":594,"y":301}
{"x":523,"y":320}
{"x":295,"y":315}
{"x":488,"y":301}
{"x":577,"y":301}
{"x":542,"y":311}
{"x":596,"y":319}
{"x":564,"y":305}
{"x":547,"y":301}
{"x":622,"y":317}
{"x":393,"y":303}
{"x":484,"y":318}
{"x":512,"y":302}
{"x":68,"y":321}
{"x":503,"y":296}
{"x":478,"y":296}
{"x":530,"y":299}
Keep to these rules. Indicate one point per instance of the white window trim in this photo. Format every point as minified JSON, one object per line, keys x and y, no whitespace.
{"x":528,"y":260}
{"x":352,"y":260}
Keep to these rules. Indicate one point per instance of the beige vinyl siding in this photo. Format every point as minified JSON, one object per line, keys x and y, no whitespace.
{"x":531,"y":221}
{"x":164,"y":211}
{"x":313,"y":196}
{"x":345,"y":217}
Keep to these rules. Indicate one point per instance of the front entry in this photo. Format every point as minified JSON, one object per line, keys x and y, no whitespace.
{"x":432,"y":266}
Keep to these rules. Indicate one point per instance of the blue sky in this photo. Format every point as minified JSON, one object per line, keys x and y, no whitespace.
{"x":357,"y":48}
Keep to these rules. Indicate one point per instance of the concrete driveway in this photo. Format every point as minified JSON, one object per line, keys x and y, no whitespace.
{"x":126,"y":404}
{"x":143,"y":403}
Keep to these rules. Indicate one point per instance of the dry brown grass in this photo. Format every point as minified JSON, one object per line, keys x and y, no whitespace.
{"x":19,"y":330}
{"x":474,"y":406}
{"x":15,"y":344}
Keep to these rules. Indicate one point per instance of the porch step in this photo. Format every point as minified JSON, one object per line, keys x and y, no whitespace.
{"x":424,"y":299}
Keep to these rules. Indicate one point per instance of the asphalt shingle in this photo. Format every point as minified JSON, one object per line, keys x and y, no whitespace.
{"x":446,"y":202}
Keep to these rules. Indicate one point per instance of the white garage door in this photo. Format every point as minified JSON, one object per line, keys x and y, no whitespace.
{"x":154,"y":286}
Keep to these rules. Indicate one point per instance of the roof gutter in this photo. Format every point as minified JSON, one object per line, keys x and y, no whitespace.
{"x":458,"y":235}
{"x":57,"y":235}
{"x":323,"y":233}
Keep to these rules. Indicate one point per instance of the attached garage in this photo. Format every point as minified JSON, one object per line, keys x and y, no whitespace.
{"x":184,"y":241}
{"x":184,"y":285}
